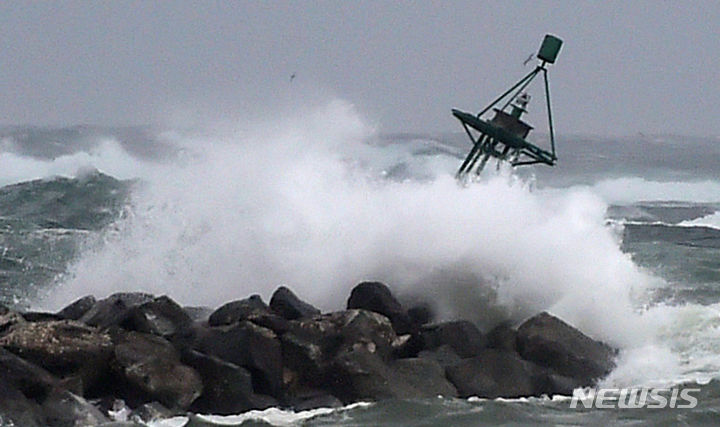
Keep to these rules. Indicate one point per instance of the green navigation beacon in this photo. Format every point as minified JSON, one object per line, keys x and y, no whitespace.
{"x":503,"y":136}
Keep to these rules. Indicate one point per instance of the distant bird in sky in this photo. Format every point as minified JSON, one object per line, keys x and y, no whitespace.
{"x":529,"y":58}
{"x":292,"y":77}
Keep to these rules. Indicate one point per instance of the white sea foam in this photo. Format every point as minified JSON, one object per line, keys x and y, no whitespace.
{"x":633,"y":189}
{"x":298,"y":206}
{"x":711,"y":221}
{"x":272,"y":416}
{"x":108,"y":157}
{"x":302,"y":203}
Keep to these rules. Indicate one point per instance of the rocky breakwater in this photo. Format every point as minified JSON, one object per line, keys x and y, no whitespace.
{"x":74,"y":367}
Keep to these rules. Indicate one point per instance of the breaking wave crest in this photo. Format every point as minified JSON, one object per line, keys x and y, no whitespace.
{"x":308,"y":203}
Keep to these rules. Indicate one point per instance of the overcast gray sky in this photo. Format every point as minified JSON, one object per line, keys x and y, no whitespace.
{"x":626,"y":67}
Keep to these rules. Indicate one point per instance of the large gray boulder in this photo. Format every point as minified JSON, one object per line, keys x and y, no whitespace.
{"x":16,"y":409}
{"x":227,"y":388}
{"x":307,"y":348}
{"x":114,"y":309}
{"x":9,"y":318}
{"x":148,"y":368}
{"x":376,"y":296}
{"x":65,"y":348}
{"x":33,"y":381}
{"x":502,"y":337}
{"x":311,"y":345}
{"x":236,"y":311}
{"x":495,"y":373}
{"x":78,"y":308}
{"x":65,"y":409}
{"x":444,"y":355}
{"x":161,"y":316}
{"x":248,"y":345}
{"x":148,"y":414}
{"x":460,"y":335}
{"x":367,"y":327}
{"x":552,"y":343}
{"x":358,"y":373}
{"x":285,"y":303}
{"x":425,"y":375}
{"x":40,"y":316}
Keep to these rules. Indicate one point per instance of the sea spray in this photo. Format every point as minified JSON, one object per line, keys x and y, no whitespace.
{"x":318,"y":206}
{"x":249,"y":210}
{"x":107,"y":155}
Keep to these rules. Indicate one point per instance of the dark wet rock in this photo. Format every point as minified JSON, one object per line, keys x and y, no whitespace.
{"x":462,"y":336}
{"x":272,"y":321}
{"x":40,"y":316}
{"x":408,"y":345}
{"x":8,"y":318}
{"x":376,"y":296}
{"x":16,"y":409}
{"x":367,"y":327}
{"x":285,"y":303}
{"x":227,"y":388}
{"x":78,"y":308}
{"x":420,"y":314}
{"x":357,"y":373}
{"x":313,"y":399}
{"x":63,"y":408}
{"x":306,"y":350}
{"x":444,"y":355}
{"x":161,"y":316}
{"x":111,"y":406}
{"x":494,"y":373}
{"x":551,"y":384}
{"x":425,"y":375}
{"x":150,"y":412}
{"x":237,"y":311}
{"x":65,"y":348}
{"x":251,"y":356}
{"x":502,"y":337}
{"x":33,"y":381}
{"x":114,"y":309}
{"x":552,"y":343}
{"x":310,"y":345}
{"x":149,"y":369}
{"x":251,"y":346}
{"x":198,"y":314}
{"x":132,"y":347}
{"x":173,"y":384}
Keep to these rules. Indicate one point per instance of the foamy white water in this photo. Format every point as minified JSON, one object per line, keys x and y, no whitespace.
{"x":108,"y":157}
{"x":712,"y":221}
{"x":306,"y":205}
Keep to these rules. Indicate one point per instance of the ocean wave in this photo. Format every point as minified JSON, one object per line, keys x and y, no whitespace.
{"x":307,"y":205}
{"x":273,"y":416}
{"x":709,"y":221}
{"x":300,"y":207}
{"x":628,"y":190}
{"x":108,"y":156}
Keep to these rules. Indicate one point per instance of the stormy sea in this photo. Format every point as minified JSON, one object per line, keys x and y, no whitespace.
{"x":621,"y":239}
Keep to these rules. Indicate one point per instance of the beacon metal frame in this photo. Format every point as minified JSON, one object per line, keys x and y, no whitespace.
{"x":503,"y":137}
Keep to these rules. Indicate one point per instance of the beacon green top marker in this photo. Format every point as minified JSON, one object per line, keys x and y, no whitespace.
{"x":503,"y":136}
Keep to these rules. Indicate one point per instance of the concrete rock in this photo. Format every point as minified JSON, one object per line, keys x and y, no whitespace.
{"x":237,"y":311}
{"x":78,"y":308}
{"x":376,"y":297}
{"x":285,"y":303}
{"x":552,"y":343}
{"x":65,"y":348}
